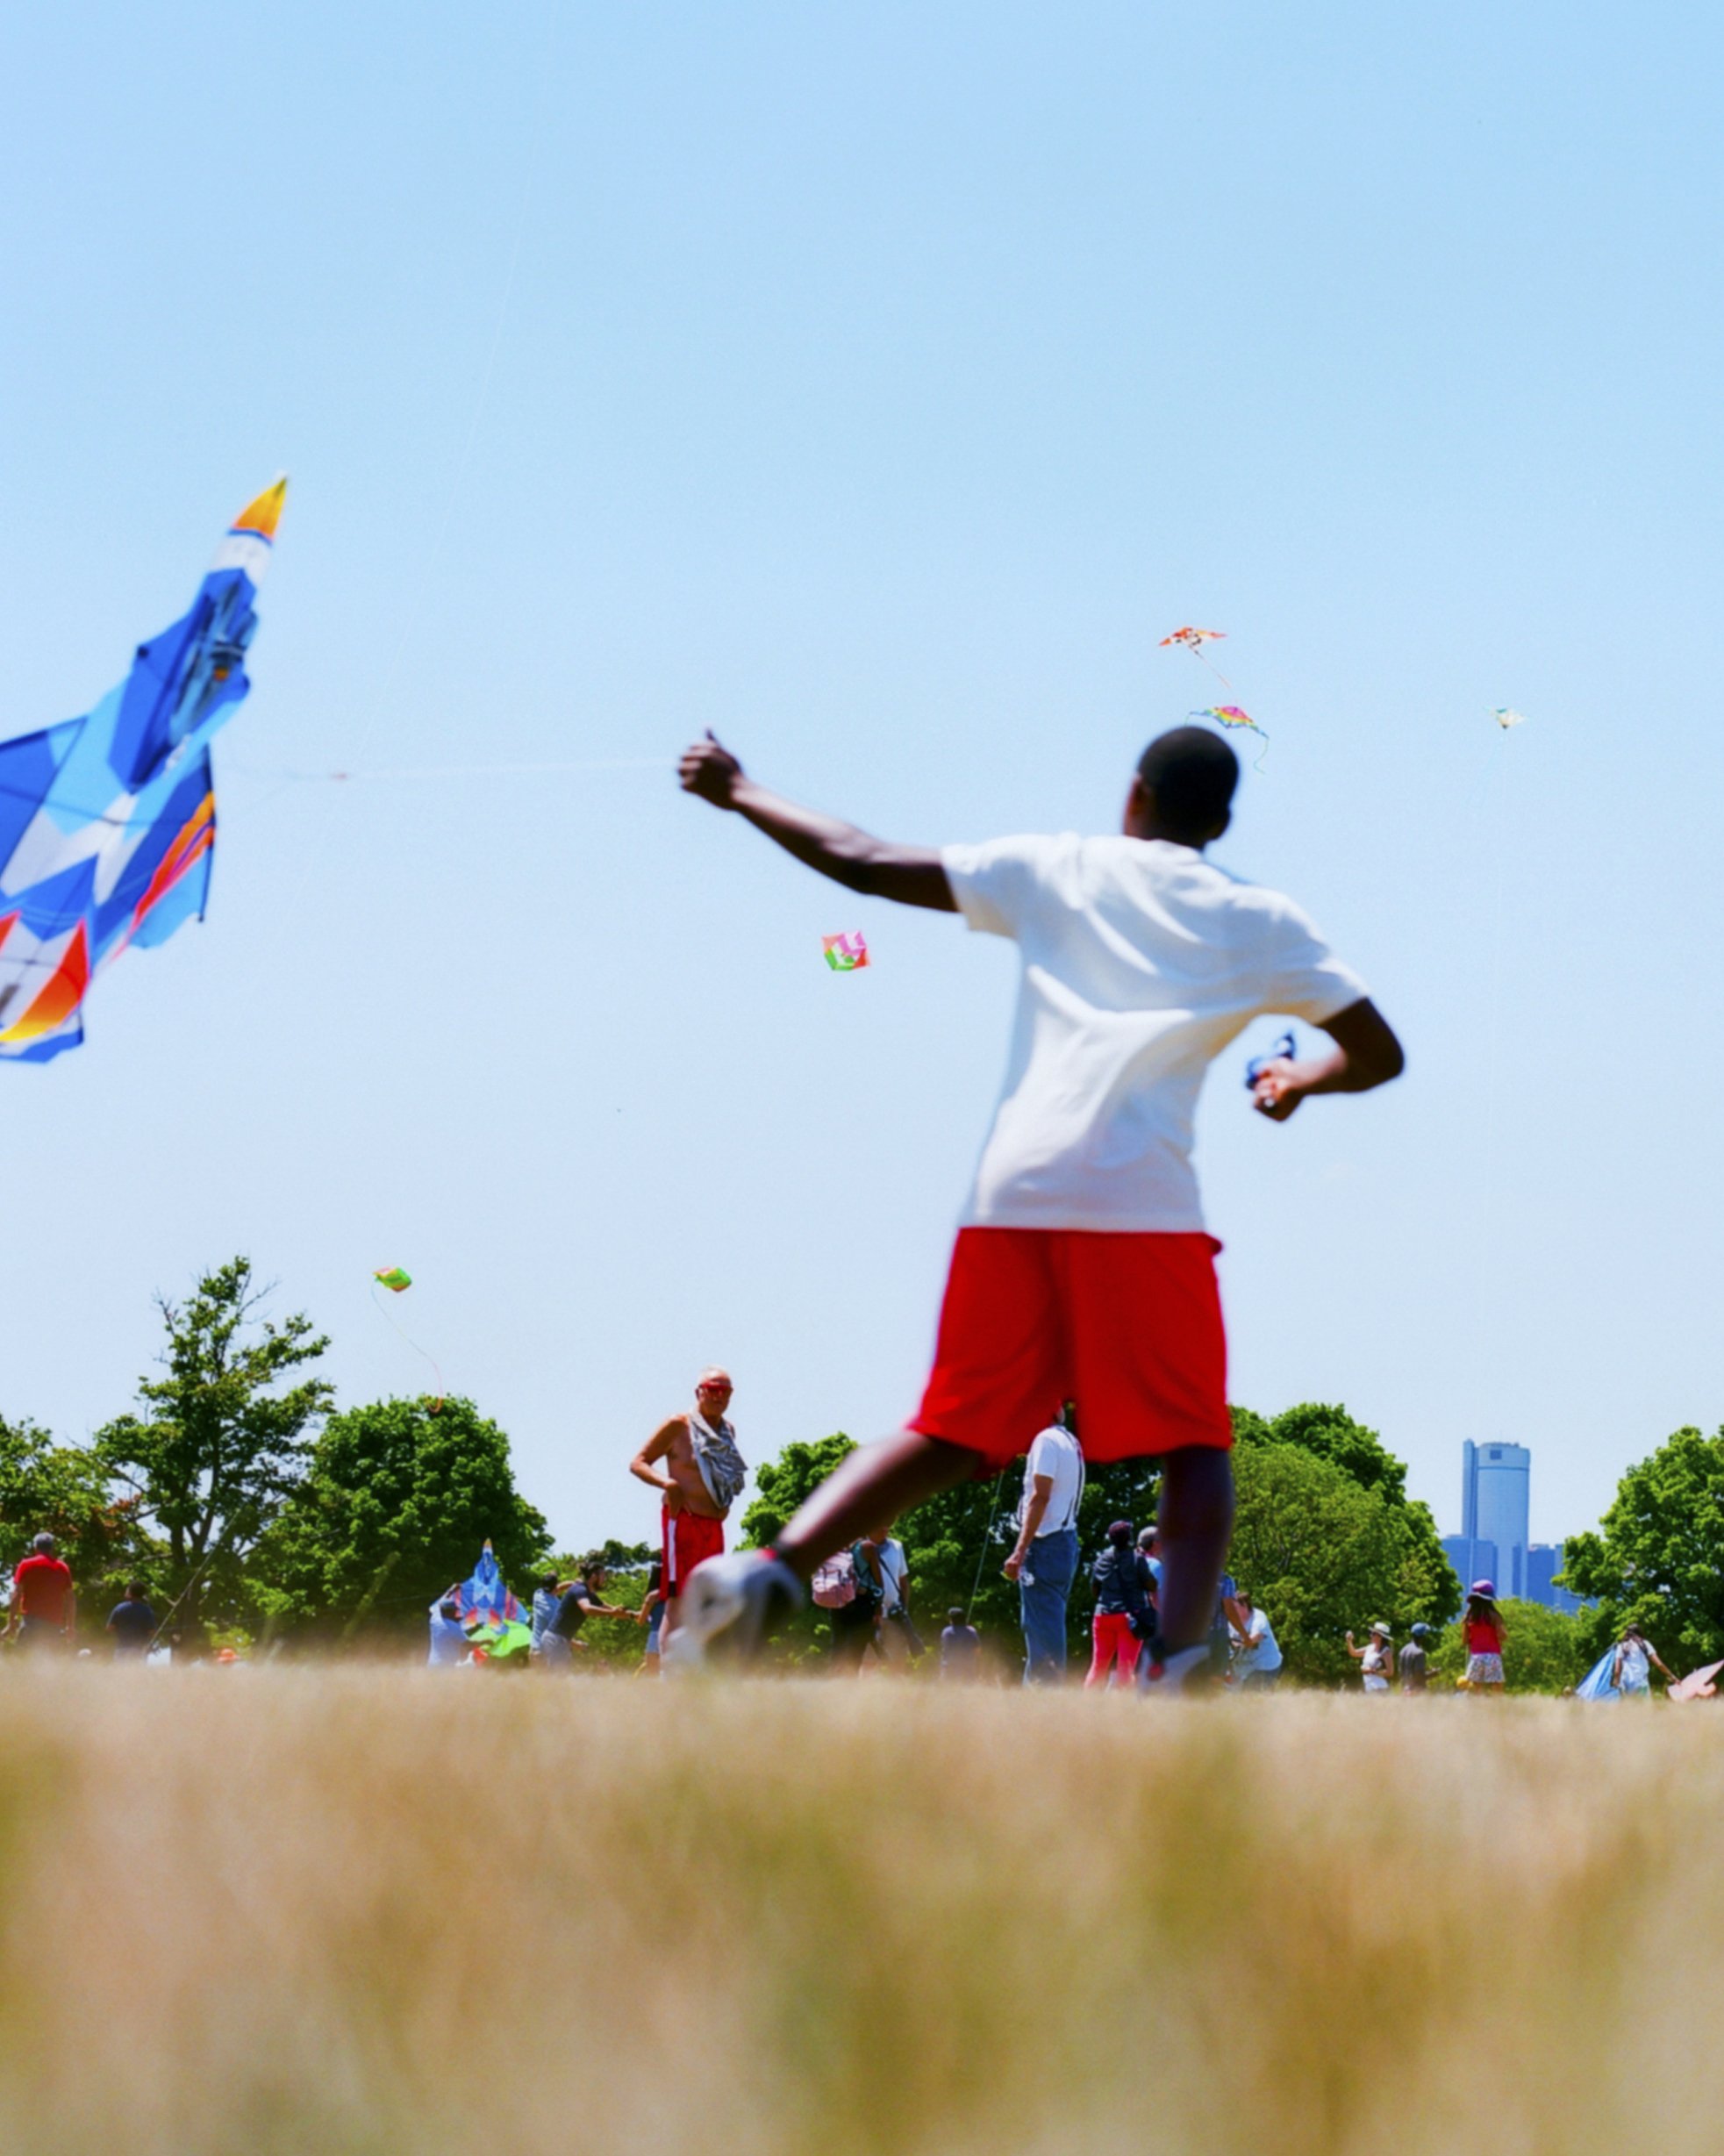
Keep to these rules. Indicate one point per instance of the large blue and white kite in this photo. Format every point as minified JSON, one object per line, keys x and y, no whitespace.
{"x":108,"y":822}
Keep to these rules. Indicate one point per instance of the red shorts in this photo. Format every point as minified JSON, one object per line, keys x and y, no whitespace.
{"x":1129,"y":1326}
{"x":688,"y":1540}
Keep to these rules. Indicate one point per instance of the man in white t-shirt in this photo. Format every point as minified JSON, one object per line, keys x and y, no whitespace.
{"x":1258,"y":1663}
{"x":1044,"y":1558}
{"x":1082,"y":1267}
{"x":897,"y":1640}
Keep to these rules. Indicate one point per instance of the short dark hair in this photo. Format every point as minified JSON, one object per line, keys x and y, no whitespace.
{"x":137,"y":1590}
{"x":1192,"y":774}
{"x":955,"y":1616}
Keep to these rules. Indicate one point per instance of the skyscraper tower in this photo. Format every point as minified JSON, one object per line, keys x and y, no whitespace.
{"x":1495,"y":1482}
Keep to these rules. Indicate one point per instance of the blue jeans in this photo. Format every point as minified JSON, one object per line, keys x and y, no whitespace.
{"x":1043,"y":1587}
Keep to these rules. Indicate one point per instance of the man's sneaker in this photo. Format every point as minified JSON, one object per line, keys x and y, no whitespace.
{"x":1166,"y":1676}
{"x":729,"y":1605}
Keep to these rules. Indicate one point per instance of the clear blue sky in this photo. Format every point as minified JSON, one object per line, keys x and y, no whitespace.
{"x":877,"y":383}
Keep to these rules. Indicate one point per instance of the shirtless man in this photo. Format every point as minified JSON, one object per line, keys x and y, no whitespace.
{"x":700,"y":1478}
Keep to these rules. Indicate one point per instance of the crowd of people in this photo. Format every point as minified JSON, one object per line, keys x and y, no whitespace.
{"x":865,"y":1587}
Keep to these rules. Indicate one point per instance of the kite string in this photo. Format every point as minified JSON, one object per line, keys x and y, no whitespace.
{"x":453,"y":770}
{"x":1197,"y":652}
{"x":437,"y":1405}
{"x":989,"y":1518}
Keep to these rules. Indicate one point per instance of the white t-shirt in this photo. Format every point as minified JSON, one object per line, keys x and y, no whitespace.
{"x":1140,"y":962}
{"x":1259,"y":1652}
{"x":1055,"y":1453}
{"x":890,"y":1557}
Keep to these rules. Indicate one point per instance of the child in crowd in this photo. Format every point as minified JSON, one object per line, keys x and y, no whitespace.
{"x":1484,"y":1632}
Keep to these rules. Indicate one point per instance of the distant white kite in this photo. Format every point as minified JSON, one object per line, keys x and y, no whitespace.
{"x":1506,"y":718}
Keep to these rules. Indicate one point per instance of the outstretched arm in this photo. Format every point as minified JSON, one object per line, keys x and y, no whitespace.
{"x":913,"y":875}
{"x":1366,"y":1054}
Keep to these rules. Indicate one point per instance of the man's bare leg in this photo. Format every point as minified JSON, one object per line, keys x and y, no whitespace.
{"x":876,"y":1483}
{"x":1196,"y":1523}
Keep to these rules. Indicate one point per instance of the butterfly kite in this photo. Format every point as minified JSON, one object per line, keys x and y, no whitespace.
{"x":1231,"y":715}
{"x":108,"y":822}
{"x":1194,"y":640}
{"x":845,"y":954}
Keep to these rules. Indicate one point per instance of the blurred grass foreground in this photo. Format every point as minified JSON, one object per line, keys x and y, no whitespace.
{"x":354,"y":1911}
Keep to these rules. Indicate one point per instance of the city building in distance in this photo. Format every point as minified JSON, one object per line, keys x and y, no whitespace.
{"x":1494,"y":1543}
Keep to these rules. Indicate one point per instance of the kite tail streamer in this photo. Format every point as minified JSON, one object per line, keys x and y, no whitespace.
{"x":437,"y":1404}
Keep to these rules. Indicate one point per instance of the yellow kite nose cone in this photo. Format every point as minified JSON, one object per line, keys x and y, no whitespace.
{"x":265,"y":514}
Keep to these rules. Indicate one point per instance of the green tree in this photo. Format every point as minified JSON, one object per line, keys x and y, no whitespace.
{"x":1658,"y":1559}
{"x":1320,"y":1553}
{"x":398,"y":1501}
{"x":785,"y":1483}
{"x":219,"y":1448}
{"x":1427,"y":1589}
{"x":1543,"y":1650}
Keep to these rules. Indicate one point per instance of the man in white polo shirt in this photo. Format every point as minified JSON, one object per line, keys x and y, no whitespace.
{"x":1082,"y":1267}
{"x":1044,"y":1558}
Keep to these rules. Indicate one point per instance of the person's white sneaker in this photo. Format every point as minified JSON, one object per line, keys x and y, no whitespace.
{"x":1167,"y":1679}
{"x":728,"y":1607}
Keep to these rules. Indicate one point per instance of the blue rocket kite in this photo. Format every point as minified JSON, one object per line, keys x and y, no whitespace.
{"x":108,"y":822}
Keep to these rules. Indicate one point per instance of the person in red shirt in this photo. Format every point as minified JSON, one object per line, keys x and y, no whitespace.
{"x":42,"y":1598}
{"x":1483,"y":1632}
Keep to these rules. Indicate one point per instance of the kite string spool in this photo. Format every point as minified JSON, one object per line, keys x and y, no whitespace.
{"x":383,"y":1312}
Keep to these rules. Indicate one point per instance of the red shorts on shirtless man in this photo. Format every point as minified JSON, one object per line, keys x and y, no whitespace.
{"x":688,"y":1540}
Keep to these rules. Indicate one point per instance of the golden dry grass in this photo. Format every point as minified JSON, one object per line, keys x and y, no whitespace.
{"x":370,"y":1912}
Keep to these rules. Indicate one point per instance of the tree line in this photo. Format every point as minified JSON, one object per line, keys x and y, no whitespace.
{"x":250,"y":1505}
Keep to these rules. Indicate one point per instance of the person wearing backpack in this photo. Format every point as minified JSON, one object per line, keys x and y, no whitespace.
{"x":1122,"y":1620}
{"x":850,"y":1586}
